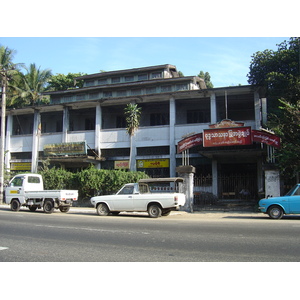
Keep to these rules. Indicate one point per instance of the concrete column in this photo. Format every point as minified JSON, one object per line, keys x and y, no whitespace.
{"x":65,"y":125}
{"x":7,"y":156}
{"x":214,"y":177}
{"x":98,"y":131}
{"x":187,"y":172}
{"x":35,"y":140}
{"x":272,"y":183}
{"x":258,"y":120}
{"x":172,"y":138}
{"x":213,"y":109}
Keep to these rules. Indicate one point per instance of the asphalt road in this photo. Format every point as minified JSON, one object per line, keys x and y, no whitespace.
{"x":83,"y":236}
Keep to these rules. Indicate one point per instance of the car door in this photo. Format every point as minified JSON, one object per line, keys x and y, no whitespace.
{"x":16,"y":189}
{"x":294,"y":201}
{"x":123,"y":201}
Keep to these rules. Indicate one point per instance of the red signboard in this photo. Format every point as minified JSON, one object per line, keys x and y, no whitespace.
{"x":266,"y":138}
{"x":189,"y":142}
{"x":233,"y":136}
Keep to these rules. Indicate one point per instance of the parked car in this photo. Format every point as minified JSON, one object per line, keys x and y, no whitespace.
{"x":158,"y":197}
{"x":276,"y":207}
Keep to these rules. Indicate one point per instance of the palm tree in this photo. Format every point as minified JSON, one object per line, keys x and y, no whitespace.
{"x":6,"y":69}
{"x":32,"y":84}
{"x":133,"y":115}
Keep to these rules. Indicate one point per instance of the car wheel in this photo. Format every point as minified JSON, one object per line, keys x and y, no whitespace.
{"x":102,"y":209}
{"x":48,"y":207}
{"x":15,"y":205}
{"x":275,"y":212}
{"x":154,"y":211}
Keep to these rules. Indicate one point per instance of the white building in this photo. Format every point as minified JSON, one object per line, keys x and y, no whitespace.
{"x":87,"y":125}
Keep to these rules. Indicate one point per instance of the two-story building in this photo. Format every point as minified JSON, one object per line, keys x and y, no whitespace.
{"x":87,"y":125}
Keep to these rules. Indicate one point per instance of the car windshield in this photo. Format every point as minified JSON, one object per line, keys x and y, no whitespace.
{"x":294,"y":190}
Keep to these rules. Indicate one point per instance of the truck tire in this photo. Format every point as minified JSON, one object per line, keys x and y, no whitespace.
{"x":102,"y":209}
{"x":15,"y":205}
{"x":64,"y":209}
{"x":48,"y":207}
{"x":154,"y":211}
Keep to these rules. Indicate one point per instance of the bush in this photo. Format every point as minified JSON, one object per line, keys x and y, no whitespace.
{"x":89,"y":182}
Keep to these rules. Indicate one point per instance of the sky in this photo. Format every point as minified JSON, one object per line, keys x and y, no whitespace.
{"x":227,"y":59}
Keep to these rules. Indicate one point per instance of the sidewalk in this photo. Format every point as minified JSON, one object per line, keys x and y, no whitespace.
{"x":203,"y":213}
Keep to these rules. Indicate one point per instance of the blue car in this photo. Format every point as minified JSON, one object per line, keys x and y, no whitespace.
{"x":276,"y":207}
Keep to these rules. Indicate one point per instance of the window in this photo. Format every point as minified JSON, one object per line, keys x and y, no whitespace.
{"x":115,"y":80}
{"x":159,"y":119}
{"x":121,"y":94}
{"x":156,"y":75}
{"x":181,"y":87}
{"x":129,"y":78}
{"x":102,"y":81}
{"x":18,"y":181}
{"x":197,"y":116}
{"x":89,"y":124}
{"x":89,"y":83}
{"x":33,"y":179}
{"x":121,"y":121}
{"x":136,"y":92}
{"x":107,"y":94}
{"x":166,"y":88}
{"x":151,"y":90}
{"x":142,"y":77}
{"x":126,"y":190}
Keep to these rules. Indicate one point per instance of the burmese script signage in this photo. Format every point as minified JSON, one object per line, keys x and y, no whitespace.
{"x":153,"y":163}
{"x":122,"y":164}
{"x":234,"y":136}
{"x":266,"y":138}
{"x":189,"y":142}
{"x":20,"y":166}
{"x":76,"y":148}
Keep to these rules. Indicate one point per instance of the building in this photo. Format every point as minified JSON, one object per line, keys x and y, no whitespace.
{"x":179,"y":118}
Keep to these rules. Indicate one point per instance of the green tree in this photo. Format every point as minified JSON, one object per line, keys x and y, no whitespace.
{"x":287,"y":126}
{"x":7,"y":72}
{"x":278,"y":72}
{"x":61,"y":82}
{"x":133,"y":115}
{"x":206,"y":77}
{"x":32,"y":84}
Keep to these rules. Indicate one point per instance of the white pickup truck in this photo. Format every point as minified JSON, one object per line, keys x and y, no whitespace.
{"x":158,"y":196}
{"x":28,"y":190}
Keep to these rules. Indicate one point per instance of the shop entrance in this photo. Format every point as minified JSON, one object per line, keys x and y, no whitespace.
{"x":237,"y":181}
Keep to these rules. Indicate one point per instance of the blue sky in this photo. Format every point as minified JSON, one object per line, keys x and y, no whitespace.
{"x":227,"y":59}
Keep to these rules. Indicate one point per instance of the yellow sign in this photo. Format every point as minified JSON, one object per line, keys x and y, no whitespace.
{"x":19,"y":166}
{"x":122,"y":164}
{"x":153,"y":163}
{"x":14,"y":192}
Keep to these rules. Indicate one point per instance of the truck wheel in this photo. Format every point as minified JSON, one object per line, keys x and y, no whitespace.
{"x":154,"y":211}
{"x":275,"y":212}
{"x":15,"y":205}
{"x":64,"y":209}
{"x":48,"y":207}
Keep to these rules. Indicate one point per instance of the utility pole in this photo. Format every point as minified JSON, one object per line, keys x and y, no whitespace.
{"x":2,"y":148}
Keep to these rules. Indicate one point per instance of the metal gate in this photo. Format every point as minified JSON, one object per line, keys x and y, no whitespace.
{"x":237,"y":186}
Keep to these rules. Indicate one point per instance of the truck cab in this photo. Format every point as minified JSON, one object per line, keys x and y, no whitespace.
{"x":21,"y":183}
